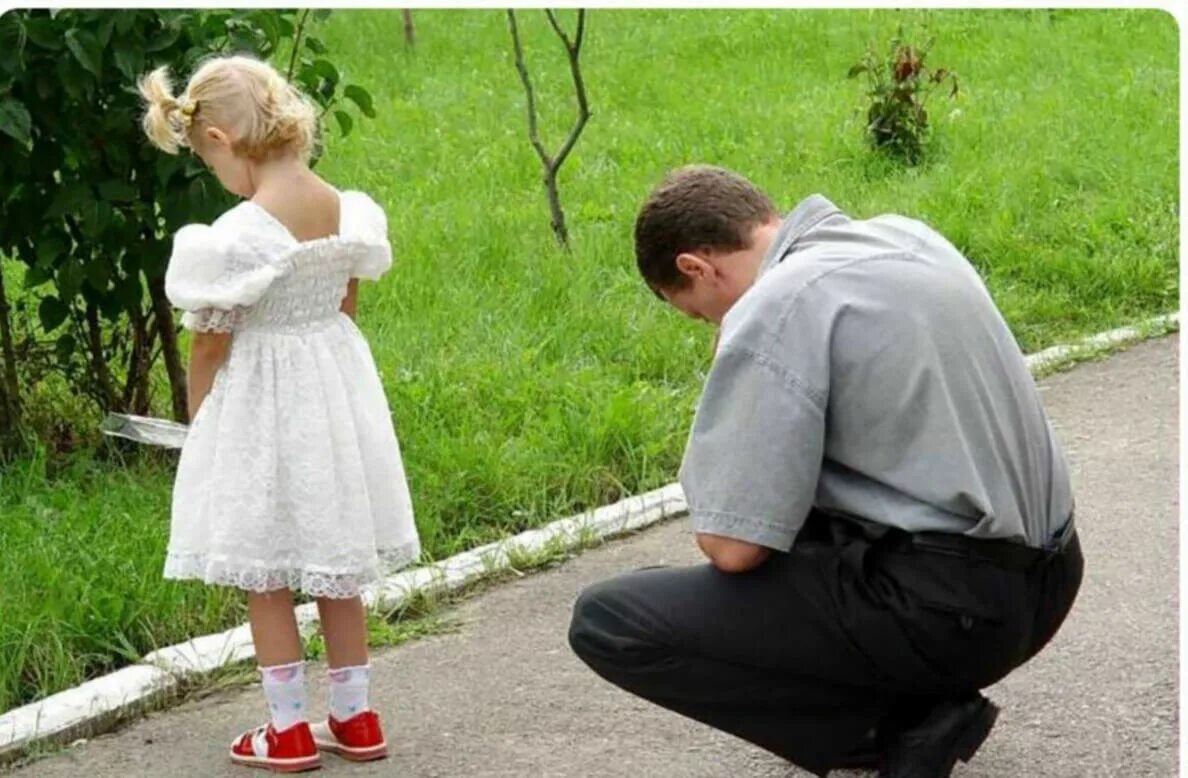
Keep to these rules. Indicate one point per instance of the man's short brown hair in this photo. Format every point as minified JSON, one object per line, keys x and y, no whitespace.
{"x":695,"y":207}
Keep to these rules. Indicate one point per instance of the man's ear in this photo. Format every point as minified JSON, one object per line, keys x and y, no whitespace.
{"x":693,"y":266}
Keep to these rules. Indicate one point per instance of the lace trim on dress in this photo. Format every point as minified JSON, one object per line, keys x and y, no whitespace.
{"x":213,"y":320}
{"x":251,"y":576}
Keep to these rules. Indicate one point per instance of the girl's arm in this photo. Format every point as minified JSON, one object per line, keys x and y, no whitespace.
{"x":351,"y":301}
{"x":208,"y":351}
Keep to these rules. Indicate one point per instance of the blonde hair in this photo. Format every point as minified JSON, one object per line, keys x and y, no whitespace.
{"x":246,"y":98}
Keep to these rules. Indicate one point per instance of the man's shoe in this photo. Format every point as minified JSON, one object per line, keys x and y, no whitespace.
{"x":867,"y":754}
{"x":952,"y":730}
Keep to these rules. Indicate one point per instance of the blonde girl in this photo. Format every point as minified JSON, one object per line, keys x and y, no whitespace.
{"x":291,"y":478}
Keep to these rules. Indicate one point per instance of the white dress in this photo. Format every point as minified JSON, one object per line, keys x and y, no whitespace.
{"x":291,"y":474}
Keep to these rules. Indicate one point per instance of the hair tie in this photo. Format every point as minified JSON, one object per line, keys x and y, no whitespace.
{"x":186,"y":108}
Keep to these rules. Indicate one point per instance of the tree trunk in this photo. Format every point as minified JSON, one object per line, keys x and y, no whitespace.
{"x":136,"y":386}
{"x":10,"y":397}
{"x":410,"y":33}
{"x":109,"y":398}
{"x":558,"y":215}
{"x":163,"y":314}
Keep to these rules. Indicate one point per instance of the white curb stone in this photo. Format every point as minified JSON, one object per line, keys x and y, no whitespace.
{"x":1056,"y":354}
{"x":77,"y":712}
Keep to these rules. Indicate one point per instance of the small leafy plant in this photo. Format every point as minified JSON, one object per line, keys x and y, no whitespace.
{"x":899,"y":85}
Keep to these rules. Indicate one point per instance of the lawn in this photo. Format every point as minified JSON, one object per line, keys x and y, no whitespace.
{"x":528,"y":383}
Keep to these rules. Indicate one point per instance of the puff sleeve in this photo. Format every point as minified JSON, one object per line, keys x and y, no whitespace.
{"x":366,"y":226}
{"x":213,"y":280}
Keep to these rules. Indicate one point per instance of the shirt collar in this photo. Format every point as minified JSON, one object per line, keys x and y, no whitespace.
{"x":808,"y":214}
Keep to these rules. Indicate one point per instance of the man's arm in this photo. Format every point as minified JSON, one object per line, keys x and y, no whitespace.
{"x":730,"y":555}
{"x":753,"y":458}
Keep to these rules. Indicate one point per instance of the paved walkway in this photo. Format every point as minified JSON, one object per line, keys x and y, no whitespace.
{"x":504,"y":696}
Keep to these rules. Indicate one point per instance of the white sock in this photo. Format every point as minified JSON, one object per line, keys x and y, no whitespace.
{"x":348,"y":691}
{"x":284,"y":688}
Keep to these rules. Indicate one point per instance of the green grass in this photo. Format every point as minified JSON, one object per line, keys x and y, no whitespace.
{"x":528,"y":383}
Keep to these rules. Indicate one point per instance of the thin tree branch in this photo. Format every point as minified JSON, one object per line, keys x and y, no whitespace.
{"x":574,"y":46}
{"x":579,"y":85}
{"x":549,"y":12}
{"x":522,"y":69}
{"x":552,"y":165}
{"x":297,"y":44}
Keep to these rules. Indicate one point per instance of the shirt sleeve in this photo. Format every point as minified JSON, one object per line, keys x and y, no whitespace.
{"x":754,"y":454}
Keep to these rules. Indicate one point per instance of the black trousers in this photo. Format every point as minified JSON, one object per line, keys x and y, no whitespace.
{"x":804,"y":655}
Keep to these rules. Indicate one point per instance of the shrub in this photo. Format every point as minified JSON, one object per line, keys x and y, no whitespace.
{"x":899,"y":86}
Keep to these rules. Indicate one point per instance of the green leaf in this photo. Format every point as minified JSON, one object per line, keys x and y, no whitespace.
{"x":45,"y":85}
{"x":65,"y":347}
{"x":163,"y":40}
{"x":214,"y":23}
{"x":15,"y":121}
{"x":199,"y":195}
{"x":70,"y":279}
{"x":315,"y":45}
{"x":287,"y":28}
{"x":266,"y":22}
{"x":345,"y":122}
{"x":86,"y":50}
{"x":193,"y":166}
{"x":50,"y":249}
{"x":129,"y":292}
{"x":69,"y":199}
{"x":322,"y":14}
{"x":857,"y":69}
{"x":362,"y":98}
{"x":36,"y":276}
{"x":243,"y":42}
{"x":109,"y":305}
{"x":12,"y":43}
{"x":125,"y":21}
{"x":130,"y":62}
{"x":117,"y":191}
{"x":166,"y":167}
{"x":52,"y":313}
{"x":96,"y":216}
{"x":44,"y":33}
{"x":98,"y":273}
{"x":326,"y":70}
{"x":104,"y":30}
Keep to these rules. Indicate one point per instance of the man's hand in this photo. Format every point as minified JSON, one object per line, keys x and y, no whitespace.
{"x":730,"y":555}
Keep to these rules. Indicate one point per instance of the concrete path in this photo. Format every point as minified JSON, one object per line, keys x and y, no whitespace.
{"x":504,"y":696}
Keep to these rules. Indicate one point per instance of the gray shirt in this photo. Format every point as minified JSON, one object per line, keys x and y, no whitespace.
{"x":868,"y":372}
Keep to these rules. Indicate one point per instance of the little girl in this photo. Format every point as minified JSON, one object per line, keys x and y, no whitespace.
{"x":291,"y":477}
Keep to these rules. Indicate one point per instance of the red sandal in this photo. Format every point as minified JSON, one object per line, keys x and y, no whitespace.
{"x":291,"y":751}
{"x":359,"y":738}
